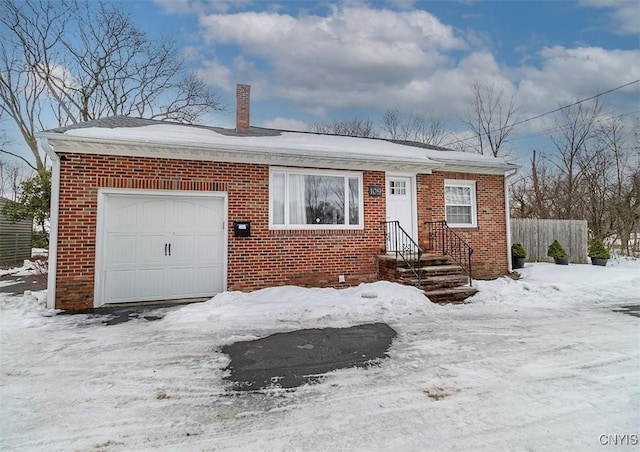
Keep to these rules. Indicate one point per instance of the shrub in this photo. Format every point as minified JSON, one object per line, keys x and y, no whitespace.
{"x":517,"y":250}
{"x":39,"y":240}
{"x":598,"y":250}
{"x":556,"y":250}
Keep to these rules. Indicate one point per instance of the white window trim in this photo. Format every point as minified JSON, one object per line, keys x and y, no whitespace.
{"x":103,"y":193}
{"x":314,"y":172}
{"x":474,"y":210}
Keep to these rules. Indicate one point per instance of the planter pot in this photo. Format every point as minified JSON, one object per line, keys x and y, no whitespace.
{"x":599,"y":261}
{"x":561,"y":260}
{"x":518,"y":262}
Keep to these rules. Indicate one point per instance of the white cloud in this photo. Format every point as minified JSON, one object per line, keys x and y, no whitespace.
{"x":216,"y":73}
{"x":200,"y":6}
{"x":624,"y":15}
{"x":181,"y":6}
{"x":567,"y":74}
{"x":287,"y":124}
{"x":356,"y":56}
{"x":362,"y":59}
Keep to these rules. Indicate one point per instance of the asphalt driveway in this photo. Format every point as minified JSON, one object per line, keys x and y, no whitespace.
{"x":291,"y":359}
{"x":17,"y":285}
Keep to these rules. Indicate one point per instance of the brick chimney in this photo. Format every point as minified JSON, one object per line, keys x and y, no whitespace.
{"x":242,"y":108}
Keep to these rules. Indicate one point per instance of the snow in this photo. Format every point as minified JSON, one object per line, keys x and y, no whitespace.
{"x":294,"y":142}
{"x":539,"y":363}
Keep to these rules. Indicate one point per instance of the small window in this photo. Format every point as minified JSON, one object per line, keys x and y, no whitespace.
{"x":397,"y":187}
{"x":460,"y":203}
{"x":306,"y":199}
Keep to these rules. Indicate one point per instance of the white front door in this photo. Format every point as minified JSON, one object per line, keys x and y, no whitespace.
{"x":401,"y":207}
{"x":161,"y":247}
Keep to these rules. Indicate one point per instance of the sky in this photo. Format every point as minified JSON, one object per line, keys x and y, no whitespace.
{"x":314,"y":61}
{"x":545,"y":362}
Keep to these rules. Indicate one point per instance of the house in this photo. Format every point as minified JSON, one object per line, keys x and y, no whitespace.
{"x":147,"y":210}
{"x":15,"y":239}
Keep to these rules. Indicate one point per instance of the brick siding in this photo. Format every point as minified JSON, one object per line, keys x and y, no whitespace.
{"x":268,"y":257}
{"x":489,"y":238}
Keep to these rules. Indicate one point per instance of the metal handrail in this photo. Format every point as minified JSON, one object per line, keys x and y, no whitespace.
{"x":441,"y":237}
{"x":404,"y":246}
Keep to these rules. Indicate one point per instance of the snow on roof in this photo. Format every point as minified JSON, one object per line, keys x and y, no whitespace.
{"x":134,"y":131}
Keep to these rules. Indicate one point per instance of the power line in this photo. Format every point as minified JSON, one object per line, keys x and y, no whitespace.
{"x":517,"y":123}
{"x":558,"y":128}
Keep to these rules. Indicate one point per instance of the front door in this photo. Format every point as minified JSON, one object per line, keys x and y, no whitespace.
{"x":400,"y":194}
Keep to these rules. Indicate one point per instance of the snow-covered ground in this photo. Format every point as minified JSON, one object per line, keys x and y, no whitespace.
{"x":542,"y":363}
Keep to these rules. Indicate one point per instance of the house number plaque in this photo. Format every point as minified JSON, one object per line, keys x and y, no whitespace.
{"x":375,"y":190}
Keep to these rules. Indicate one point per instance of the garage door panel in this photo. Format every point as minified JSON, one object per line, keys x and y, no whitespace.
{"x":181,"y":283}
{"x":123,"y":216}
{"x":183,"y":215}
{"x":210,"y":217}
{"x":182,"y":248}
{"x":208,"y":280}
{"x":122,"y":249}
{"x":151,"y":248}
{"x":153,"y":215}
{"x":150,"y":284}
{"x":210,"y":248}
{"x":121,"y":285}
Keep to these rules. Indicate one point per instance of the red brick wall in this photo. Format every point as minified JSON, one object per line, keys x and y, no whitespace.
{"x":268,"y":257}
{"x":489,"y":238}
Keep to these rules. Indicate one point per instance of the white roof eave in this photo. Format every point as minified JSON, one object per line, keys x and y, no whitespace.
{"x":245,"y":153}
{"x":230,"y":153}
{"x":465,"y":166}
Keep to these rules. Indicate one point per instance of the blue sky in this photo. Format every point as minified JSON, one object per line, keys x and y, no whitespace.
{"x":313,"y":61}
{"x":310,"y":61}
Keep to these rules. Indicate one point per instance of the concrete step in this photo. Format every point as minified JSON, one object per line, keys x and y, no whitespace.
{"x":441,"y":279}
{"x":450,"y":295}
{"x":425,"y":259}
{"x":433,"y":270}
{"x":438,"y":282}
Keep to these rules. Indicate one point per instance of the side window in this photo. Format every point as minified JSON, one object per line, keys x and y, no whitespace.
{"x":460,"y":203}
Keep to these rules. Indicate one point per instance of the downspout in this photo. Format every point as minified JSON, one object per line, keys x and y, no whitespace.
{"x":53,"y":223}
{"x":508,"y":216}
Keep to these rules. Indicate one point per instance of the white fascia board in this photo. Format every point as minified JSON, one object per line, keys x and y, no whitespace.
{"x":53,"y":223}
{"x":240,"y":154}
{"x":463,"y":166}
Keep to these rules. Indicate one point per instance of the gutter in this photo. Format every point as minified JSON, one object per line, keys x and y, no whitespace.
{"x":53,"y":223}
{"x":507,"y":208}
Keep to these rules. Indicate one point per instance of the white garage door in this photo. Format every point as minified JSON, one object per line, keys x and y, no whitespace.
{"x":162,"y":247}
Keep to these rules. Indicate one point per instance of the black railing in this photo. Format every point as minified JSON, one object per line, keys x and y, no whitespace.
{"x":401,"y":243}
{"x":441,"y":238}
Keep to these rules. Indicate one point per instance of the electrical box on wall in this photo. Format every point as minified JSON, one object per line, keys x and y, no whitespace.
{"x":242,"y":229}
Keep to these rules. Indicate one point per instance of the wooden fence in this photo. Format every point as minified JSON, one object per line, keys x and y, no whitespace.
{"x":15,"y":240}
{"x":537,"y":235}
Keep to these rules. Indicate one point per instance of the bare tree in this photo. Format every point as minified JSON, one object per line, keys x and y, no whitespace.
{"x":78,"y":61}
{"x":491,"y":119}
{"x":355,"y":127}
{"x":592,"y":173}
{"x":413,"y":127}
{"x":575,"y":149}
{"x":622,"y":181}
{"x":11,"y":178}
{"x":534,"y":194}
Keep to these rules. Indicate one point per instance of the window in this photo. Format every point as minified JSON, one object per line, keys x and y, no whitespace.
{"x":397,"y":187}
{"x":460,"y":203}
{"x":309,"y":199}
